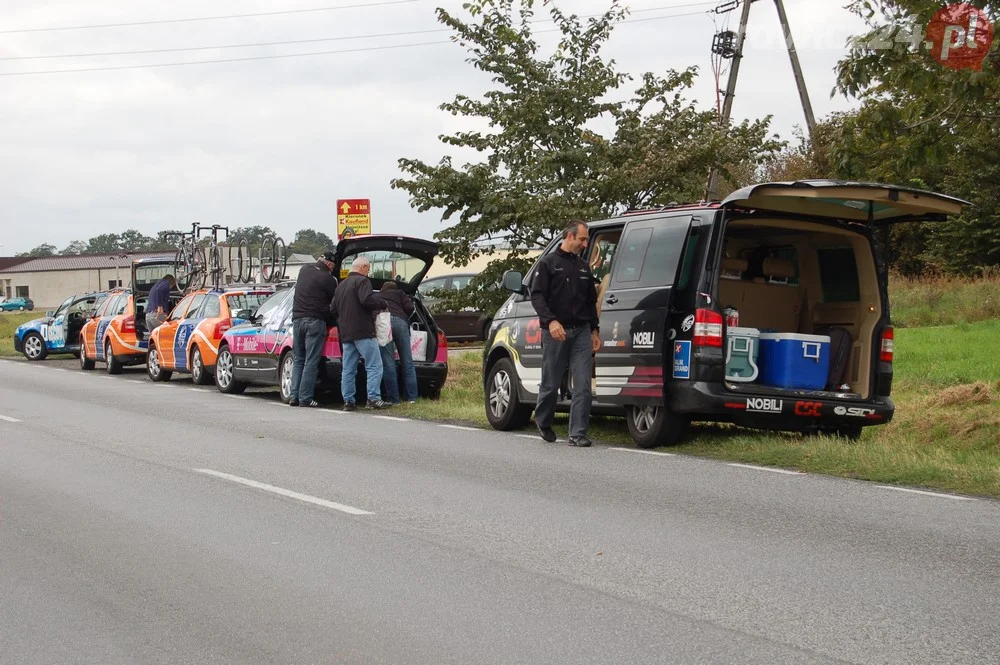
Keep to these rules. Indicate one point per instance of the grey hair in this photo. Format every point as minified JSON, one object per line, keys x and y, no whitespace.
{"x":360,"y":263}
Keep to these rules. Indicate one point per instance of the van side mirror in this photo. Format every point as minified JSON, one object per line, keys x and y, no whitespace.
{"x":514,"y":281}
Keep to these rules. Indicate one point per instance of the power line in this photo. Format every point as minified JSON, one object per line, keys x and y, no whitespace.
{"x":298,"y":55}
{"x":405,"y":33}
{"x":210,"y":18}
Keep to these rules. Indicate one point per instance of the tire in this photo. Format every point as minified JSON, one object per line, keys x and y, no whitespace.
{"x":224,"y":373}
{"x":215,"y":267}
{"x":112,"y":365}
{"x":286,"y":367}
{"x":652,"y":426}
{"x":33,"y":346}
{"x":154,"y":369}
{"x":199,"y":374}
{"x":503,"y":404}
{"x":280,"y":260}
{"x":85,"y":364}
{"x":199,"y":268}
{"x":265,"y":258}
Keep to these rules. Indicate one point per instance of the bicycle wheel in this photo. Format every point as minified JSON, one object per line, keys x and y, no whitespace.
{"x":215,"y":266}
{"x":236,"y":261}
{"x":181,"y":269}
{"x":280,"y":260}
{"x":199,"y":269}
{"x":266,"y":257}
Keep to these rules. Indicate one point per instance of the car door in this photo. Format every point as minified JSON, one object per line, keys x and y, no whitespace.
{"x":54,"y":330}
{"x":635,"y":309}
{"x":163,"y":335}
{"x":253,"y":345}
{"x":92,"y":335}
{"x":77,"y":316}
{"x":184,"y":331}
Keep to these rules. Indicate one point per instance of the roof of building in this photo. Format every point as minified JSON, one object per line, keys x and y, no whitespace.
{"x":9,"y":261}
{"x":301,"y":258}
{"x":78,"y":262}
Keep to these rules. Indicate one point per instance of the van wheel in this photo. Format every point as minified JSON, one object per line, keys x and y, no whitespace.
{"x":112,"y":364}
{"x":198,"y":372}
{"x":153,"y":367}
{"x":33,"y":347}
{"x":225,"y":372}
{"x":503,"y":405}
{"x":652,"y":426}
{"x":85,"y":364}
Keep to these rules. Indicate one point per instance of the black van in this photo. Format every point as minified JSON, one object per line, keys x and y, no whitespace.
{"x":791,"y":260}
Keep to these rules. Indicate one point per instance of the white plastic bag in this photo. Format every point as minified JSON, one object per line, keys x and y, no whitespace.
{"x":418,"y":344}
{"x":383,"y":328}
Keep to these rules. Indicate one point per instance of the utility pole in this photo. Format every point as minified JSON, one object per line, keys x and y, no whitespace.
{"x":793,"y":55}
{"x":727,"y":104}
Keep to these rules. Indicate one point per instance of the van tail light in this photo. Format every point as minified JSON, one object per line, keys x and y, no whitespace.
{"x":220,"y":328}
{"x":707,"y":328}
{"x":888,"y":345}
{"x":128,"y":324}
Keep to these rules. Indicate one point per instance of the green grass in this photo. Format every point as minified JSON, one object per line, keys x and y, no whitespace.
{"x":945,"y":433}
{"x":942,"y":301}
{"x":8,"y":322}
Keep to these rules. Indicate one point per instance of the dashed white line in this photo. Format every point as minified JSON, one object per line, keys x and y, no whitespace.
{"x":645,"y":452}
{"x":9,"y":419}
{"x":528,"y":436}
{"x":350,"y":510}
{"x":396,"y":418}
{"x":767,"y":468}
{"x":107,"y":378}
{"x":937,"y":494}
{"x":467,"y":429}
{"x":59,"y":369}
{"x":199,"y":390}
{"x":235,"y":396}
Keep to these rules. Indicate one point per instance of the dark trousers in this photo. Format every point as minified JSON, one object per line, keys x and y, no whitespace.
{"x":308,"y":337}
{"x":576,"y":354}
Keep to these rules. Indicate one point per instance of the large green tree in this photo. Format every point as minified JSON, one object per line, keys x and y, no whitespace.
{"x":312,"y":242}
{"x":562,"y":138}
{"x":45,"y":249}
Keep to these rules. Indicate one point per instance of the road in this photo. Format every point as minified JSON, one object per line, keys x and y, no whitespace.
{"x":164,"y":523}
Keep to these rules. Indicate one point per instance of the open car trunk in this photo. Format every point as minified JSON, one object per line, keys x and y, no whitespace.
{"x":806,"y":278}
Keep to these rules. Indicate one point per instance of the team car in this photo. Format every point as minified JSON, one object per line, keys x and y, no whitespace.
{"x":188,"y":340}
{"x":116,"y":335}
{"x":259,"y":352}
{"x":769,"y":309}
{"x":59,"y":330}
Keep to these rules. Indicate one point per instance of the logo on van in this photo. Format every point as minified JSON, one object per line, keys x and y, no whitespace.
{"x":808,"y":409}
{"x":764,"y":405}
{"x":682,"y":360}
{"x":688,"y":323}
{"x":643,"y":340}
{"x":854,"y":411}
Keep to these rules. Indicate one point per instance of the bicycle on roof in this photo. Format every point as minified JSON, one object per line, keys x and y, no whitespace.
{"x":271,"y":259}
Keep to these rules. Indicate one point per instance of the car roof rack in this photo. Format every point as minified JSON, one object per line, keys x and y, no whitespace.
{"x":700,"y":205}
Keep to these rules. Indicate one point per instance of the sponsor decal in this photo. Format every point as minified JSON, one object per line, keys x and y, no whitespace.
{"x":644,"y":340}
{"x":682,"y":360}
{"x":533,"y":335}
{"x":808,"y":409}
{"x":764,"y":405}
{"x":687,"y":323}
{"x":855,"y":412}
{"x":614,"y":342}
{"x":182,"y":336}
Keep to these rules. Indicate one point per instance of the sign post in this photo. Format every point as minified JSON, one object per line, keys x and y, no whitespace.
{"x":354,"y":218}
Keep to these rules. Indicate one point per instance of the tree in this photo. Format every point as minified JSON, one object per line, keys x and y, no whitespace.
{"x":543,"y":162}
{"x":308,"y":241}
{"x":254,"y":235}
{"x":44,"y":249}
{"x":75,"y":247}
{"x":103,"y":244}
{"x":134,"y":241}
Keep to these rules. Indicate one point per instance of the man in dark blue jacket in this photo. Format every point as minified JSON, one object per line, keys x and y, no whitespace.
{"x":311,"y":317}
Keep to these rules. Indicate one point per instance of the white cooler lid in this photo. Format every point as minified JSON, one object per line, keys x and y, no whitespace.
{"x":744,"y":332}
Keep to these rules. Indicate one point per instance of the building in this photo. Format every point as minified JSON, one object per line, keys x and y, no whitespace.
{"x":7,"y":286}
{"x":477,"y":265}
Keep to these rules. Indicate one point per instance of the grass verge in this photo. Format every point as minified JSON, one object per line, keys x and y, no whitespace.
{"x":945,"y":433}
{"x":9,"y":321}
{"x":943,"y":301}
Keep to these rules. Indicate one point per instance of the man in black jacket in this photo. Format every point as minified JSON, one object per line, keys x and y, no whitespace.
{"x":564,"y":296}
{"x":355,"y":307}
{"x":311,"y":317}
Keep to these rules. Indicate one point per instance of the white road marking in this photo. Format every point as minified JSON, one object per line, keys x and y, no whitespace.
{"x":645,"y":452}
{"x":937,"y":494}
{"x":9,"y":419}
{"x":283,"y":492}
{"x":402,"y":420}
{"x":767,"y":468}
{"x":198,"y":390}
{"x":528,"y":436}
{"x":59,"y":369}
{"x":467,"y":429}
{"x":236,"y":396}
{"x":107,"y":378}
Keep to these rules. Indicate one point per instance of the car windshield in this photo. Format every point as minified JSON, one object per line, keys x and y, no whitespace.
{"x":248,"y":301}
{"x":270,"y":304}
{"x":386,"y":265}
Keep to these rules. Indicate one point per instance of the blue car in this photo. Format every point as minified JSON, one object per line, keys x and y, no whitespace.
{"x":17,"y":305}
{"x":58,"y":331}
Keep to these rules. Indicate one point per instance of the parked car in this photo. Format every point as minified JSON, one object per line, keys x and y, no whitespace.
{"x":258,"y":352}
{"x":466,"y":325}
{"x":59,"y":330}
{"x":188,"y":341}
{"x":116,"y":335}
{"x":17,"y":305}
{"x":727,"y":312}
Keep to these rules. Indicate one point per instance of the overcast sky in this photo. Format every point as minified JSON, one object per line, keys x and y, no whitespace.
{"x":276,"y":142}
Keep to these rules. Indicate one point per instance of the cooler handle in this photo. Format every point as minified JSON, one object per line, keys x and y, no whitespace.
{"x":806,"y":346}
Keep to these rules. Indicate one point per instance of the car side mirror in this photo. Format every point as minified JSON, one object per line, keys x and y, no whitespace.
{"x":514,"y":281}
{"x":49,"y":313}
{"x":245,"y":314}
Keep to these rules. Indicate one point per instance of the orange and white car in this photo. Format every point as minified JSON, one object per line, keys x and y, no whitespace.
{"x":116,"y":335}
{"x":188,"y":341}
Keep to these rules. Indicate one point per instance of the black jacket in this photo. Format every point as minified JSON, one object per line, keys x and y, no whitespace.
{"x":563,"y":290}
{"x":355,"y":306}
{"x":399,"y":303}
{"x":314,"y":291}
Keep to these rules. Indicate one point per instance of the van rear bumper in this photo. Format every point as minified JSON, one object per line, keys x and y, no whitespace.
{"x":790,"y":410}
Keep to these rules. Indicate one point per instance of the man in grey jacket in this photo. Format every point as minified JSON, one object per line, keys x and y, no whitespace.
{"x":355,"y":307}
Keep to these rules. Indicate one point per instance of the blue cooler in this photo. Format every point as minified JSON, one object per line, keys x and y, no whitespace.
{"x":792,"y":360}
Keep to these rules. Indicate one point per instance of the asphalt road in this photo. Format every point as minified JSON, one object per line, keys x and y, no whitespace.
{"x":148,"y":523}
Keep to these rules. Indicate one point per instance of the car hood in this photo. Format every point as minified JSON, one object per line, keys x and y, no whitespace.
{"x":32,"y":324}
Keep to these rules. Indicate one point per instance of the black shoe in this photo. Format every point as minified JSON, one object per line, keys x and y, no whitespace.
{"x":293,"y":402}
{"x":547,"y":433}
{"x":350,"y":406}
{"x":377,"y":404}
{"x":311,"y":402}
{"x":580,"y":441}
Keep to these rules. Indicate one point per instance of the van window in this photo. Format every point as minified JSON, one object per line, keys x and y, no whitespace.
{"x":628,"y":268}
{"x":692,"y":249}
{"x":838,"y":273}
{"x":648,"y":254}
{"x":602,"y":253}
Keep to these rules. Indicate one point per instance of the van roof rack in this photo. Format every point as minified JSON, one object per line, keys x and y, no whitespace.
{"x":700,"y":205}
